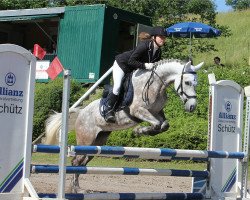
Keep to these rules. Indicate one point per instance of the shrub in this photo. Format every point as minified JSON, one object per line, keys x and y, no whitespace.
{"x":187,"y":130}
{"x":48,"y":97}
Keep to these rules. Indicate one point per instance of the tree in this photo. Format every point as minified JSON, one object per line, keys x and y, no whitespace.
{"x":238,"y":4}
{"x":163,"y":12}
{"x":21,"y":4}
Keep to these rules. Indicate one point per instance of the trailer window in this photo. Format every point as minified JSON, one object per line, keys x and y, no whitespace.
{"x":126,"y":39}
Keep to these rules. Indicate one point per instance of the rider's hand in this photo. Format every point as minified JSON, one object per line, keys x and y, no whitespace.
{"x":149,"y":66}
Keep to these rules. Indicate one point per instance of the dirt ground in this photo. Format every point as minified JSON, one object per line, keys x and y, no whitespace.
{"x":48,"y":183}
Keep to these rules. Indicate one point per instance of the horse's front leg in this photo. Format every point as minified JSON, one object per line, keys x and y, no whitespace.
{"x":145,"y":115}
{"x":164,"y":124}
{"x":161,"y":123}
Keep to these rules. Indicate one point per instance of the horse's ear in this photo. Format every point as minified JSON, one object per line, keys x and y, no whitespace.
{"x":188,"y":66}
{"x":197,"y":67}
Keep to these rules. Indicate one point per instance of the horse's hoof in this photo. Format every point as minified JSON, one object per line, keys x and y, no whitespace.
{"x":73,"y":188}
{"x":137,"y":132}
{"x":153,"y":133}
{"x":165,"y":126}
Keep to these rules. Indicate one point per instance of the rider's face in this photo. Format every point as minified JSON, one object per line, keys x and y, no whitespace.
{"x":160,"y":40}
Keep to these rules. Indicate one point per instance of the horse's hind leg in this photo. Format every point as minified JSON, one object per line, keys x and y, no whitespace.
{"x":82,"y":160}
{"x":79,"y":160}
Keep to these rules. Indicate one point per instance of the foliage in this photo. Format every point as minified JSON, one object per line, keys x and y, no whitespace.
{"x":234,"y":49}
{"x":167,"y":13}
{"x":238,"y":4}
{"x":187,"y":130}
{"x":71,"y":138}
{"x":48,"y":97}
{"x":163,"y":12}
{"x":21,"y":4}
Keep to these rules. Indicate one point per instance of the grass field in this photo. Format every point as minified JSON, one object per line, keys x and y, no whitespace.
{"x":41,"y":158}
{"x":236,"y":48}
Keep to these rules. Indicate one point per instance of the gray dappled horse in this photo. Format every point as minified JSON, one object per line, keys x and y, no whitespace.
{"x":147,"y":105}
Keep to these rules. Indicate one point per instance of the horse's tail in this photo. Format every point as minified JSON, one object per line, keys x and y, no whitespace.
{"x":54,"y":123}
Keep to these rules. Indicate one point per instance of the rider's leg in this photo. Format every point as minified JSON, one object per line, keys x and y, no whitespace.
{"x":110,"y":116}
{"x":118,"y":75}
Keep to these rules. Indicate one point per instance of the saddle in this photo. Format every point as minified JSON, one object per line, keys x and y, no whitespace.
{"x":125,"y":97}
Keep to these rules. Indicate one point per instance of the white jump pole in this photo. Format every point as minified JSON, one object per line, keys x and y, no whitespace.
{"x":86,"y":94}
{"x":246,"y":143}
{"x":64,"y":135}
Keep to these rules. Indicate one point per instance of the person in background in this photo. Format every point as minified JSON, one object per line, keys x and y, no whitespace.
{"x":54,"y":48}
{"x":217,"y":61}
{"x":143,"y":56}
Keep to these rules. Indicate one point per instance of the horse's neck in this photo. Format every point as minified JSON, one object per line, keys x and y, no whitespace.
{"x":169,"y":71}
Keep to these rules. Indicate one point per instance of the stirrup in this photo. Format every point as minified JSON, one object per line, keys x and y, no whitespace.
{"x":110,"y":117}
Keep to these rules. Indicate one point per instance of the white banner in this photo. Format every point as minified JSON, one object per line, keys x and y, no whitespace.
{"x":226,"y":135}
{"x":17,"y":75}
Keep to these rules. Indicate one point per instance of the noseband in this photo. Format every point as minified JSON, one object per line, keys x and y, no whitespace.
{"x":180,"y":87}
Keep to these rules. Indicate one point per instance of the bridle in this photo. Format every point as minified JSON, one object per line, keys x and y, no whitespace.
{"x":180,"y":87}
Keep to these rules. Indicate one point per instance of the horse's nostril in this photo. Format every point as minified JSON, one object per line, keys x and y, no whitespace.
{"x":192,"y":108}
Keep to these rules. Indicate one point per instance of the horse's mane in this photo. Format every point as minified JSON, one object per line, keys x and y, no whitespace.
{"x":164,"y":61}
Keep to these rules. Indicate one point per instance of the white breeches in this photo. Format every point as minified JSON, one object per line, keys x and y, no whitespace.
{"x":118,"y":75}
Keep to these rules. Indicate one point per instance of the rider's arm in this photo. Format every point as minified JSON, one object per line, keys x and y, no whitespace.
{"x":136,"y":59}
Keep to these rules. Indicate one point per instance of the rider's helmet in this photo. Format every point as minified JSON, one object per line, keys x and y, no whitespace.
{"x":158,"y":30}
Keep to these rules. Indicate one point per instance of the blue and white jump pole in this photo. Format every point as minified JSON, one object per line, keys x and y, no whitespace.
{"x":225,"y":155}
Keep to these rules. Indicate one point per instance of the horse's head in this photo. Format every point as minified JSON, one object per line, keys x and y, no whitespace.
{"x":185,"y":85}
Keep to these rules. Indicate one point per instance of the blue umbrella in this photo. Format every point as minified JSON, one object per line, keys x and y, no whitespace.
{"x":192,"y":29}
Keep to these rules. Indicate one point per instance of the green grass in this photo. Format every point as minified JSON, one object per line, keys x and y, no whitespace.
{"x":41,"y":158}
{"x":236,"y":48}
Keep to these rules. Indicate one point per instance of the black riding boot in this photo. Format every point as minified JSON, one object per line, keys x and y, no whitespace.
{"x":110,"y":116}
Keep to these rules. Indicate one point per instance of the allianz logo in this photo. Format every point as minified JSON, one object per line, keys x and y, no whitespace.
{"x":10,"y":80}
{"x":4,"y":91}
{"x":223,"y":115}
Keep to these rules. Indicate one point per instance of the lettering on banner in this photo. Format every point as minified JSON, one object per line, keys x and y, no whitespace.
{"x":227,"y":120}
{"x":11,"y":98}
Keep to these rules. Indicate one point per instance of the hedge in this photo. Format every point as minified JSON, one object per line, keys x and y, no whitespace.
{"x":187,"y":130}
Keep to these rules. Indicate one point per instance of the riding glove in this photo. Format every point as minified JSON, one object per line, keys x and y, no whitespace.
{"x":149,"y":66}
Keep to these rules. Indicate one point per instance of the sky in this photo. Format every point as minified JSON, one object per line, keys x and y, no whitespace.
{"x":221,"y":6}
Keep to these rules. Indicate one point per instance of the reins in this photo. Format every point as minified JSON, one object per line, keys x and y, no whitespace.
{"x":146,"y":87}
{"x":148,"y":83}
{"x":180,"y":87}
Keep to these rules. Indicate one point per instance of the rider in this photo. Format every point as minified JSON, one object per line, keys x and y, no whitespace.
{"x":143,"y":56}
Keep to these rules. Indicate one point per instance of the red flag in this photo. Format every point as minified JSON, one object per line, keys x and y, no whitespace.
{"x":39,"y":52}
{"x":54,"y":68}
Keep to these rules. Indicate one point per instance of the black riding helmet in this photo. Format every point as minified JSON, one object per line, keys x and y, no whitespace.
{"x":158,"y":30}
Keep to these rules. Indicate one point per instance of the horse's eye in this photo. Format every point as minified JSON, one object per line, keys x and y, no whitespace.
{"x":188,"y":83}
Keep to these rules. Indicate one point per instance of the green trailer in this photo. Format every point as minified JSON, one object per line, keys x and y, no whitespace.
{"x":86,"y":38}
